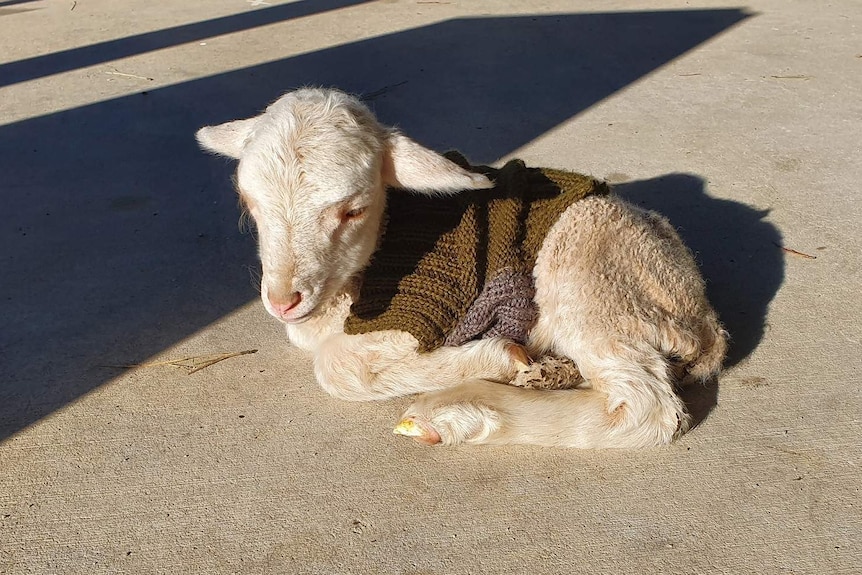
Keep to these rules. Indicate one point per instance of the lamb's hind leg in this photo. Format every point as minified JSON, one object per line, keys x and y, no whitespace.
{"x":627,"y":406}
{"x":480,"y":411}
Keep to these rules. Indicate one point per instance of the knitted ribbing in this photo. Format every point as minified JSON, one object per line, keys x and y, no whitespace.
{"x":437,"y":255}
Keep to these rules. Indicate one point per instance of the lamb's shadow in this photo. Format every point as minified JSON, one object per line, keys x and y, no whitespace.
{"x":737,"y":252}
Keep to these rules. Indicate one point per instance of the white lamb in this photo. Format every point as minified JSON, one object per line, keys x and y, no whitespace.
{"x":617,"y":291}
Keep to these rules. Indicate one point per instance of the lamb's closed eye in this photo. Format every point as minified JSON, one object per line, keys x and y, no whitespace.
{"x":354,"y":214}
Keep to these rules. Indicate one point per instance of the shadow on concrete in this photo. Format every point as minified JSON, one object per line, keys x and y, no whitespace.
{"x":124,"y":238}
{"x":5,"y":10}
{"x":75,"y":58}
{"x":737,"y":252}
{"x":5,"y":3}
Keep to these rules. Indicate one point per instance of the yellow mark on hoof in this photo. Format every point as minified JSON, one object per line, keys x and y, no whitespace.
{"x":408,"y":427}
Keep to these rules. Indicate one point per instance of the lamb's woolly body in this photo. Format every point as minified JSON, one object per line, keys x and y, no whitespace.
{"x":617,"y":291}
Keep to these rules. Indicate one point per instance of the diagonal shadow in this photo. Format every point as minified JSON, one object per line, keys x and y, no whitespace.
{"x":124,"y":235}
{"x":12,"y":11}
{"x":5,"y":3}
{"x":66,"y":60}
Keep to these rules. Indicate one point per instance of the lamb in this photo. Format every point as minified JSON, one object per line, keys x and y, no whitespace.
{"x":616,"y":292}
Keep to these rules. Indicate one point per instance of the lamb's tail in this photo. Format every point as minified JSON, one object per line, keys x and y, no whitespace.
{"x":713,"y":348}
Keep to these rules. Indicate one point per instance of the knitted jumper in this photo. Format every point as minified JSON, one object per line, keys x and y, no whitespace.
{"x":455,"y":268}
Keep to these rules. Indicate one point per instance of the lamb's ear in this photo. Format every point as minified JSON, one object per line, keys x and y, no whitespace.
{"x":227,"y":139}
{"x":406,"y":164}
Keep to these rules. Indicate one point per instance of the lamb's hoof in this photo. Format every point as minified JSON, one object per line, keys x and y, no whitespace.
{"x":447,"y":417}
{"x":418,"y":430}
{"x":518,"y":354}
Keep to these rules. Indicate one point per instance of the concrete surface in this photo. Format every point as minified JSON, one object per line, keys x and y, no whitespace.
{"x":119,"y":245}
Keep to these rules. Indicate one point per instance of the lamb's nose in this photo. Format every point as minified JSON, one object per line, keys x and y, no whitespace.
{"x":283,"y":308}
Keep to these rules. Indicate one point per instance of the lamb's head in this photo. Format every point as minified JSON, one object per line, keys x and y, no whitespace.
{"x":313,"y":172}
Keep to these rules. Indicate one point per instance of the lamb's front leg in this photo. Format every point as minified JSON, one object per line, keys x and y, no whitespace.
{"x":386,"y":364}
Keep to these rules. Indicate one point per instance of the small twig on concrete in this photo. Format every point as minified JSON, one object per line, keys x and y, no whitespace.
{"x":793,"y":77}
{"x":794,"y":252}
{"x":73,"y":6}
{"x":692,"y":74}
{"x":192,"y":364}
{"x":376,"y":93}
{"x":116,"y":73}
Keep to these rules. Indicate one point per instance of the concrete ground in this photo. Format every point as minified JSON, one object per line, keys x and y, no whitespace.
{"x":119,"y":245}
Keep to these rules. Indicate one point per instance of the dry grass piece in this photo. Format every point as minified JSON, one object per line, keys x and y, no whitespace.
{"x":192,"y":364}
{"x":795,"y":253}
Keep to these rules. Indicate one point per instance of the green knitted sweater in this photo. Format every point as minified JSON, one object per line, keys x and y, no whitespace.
{"x":455,"y":268}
